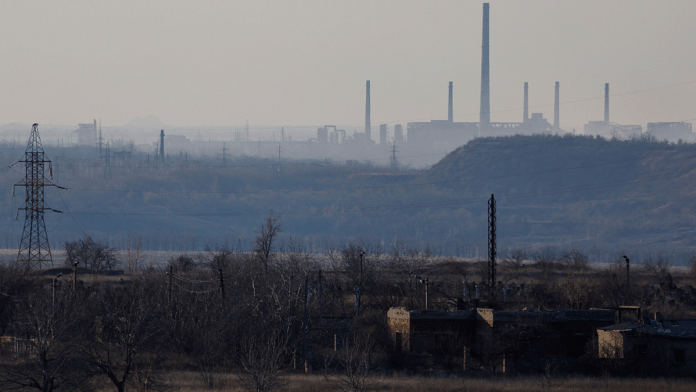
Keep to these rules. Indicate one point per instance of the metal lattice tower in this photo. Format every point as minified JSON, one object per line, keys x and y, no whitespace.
{"x":34,"y":250}
{"x":491,"y":246}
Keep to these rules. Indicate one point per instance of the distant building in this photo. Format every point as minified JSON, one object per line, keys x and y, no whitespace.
{"x":177,"y":143}
{"x":87,"y":134}
{"x":398,"y":134}
{"x":609,"y":129}
{"x":439,"y":135}
{"x":597,"y":128}
{"x":671,"y":131}
{"x":330,"y":134}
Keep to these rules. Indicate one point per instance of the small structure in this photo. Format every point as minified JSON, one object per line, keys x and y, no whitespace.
{"x":666,"y":347}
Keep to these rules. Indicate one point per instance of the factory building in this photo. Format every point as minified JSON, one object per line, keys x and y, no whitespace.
{"x":671,"y":131}
{"x":87,"y":134}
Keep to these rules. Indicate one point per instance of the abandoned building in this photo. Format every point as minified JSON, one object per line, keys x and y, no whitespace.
{"x":666,"y":347}
{"x":495,"y":341}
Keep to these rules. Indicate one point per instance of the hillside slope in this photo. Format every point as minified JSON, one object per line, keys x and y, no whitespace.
{"x":600,"y":196}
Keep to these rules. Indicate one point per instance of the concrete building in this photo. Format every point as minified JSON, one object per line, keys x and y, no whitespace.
{"x":495,"y":341}
{"x":666,"y":347}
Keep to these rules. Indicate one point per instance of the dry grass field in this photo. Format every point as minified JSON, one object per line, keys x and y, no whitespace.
{"x":189,"y":382}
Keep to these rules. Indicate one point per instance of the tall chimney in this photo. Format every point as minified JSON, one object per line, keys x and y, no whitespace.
{"x":606,"y":103}
{"x":450,"y":115}
{"x":556,"y":120}
{"x":485,"y":120}
{"x":526,"y":102}
{"x":368,"y":131}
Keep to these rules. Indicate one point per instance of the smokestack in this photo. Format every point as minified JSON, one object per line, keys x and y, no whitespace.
{"x":368,"y":131}
{"x":526,"y":102}
{"x":606,"y":103}
{"x":556,"y":120}
{"x":450,"y":116}
{"x":485,"y":120}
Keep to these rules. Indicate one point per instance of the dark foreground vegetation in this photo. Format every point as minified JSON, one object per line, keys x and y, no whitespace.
{"x":254,"y":320}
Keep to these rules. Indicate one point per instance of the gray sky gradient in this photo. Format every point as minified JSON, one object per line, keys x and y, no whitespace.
{"x":305,"y":62}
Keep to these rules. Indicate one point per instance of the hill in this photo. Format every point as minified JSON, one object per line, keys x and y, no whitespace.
{"x":580,"y":191}
{"x":600,"y":196}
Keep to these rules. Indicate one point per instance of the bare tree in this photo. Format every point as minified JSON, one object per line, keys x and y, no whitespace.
{"x":360,"y":264}
{"x":517,"y":258}
{"x":182,"y":263}
{"x":97,"y":257}
{"x":125,"y":324}
{"x":575,"y":260}
{"x":48,"y":328}
{"x":409,"y":261}
{"x":262,"y":354}
{"x":266,"y":237}
{"x":134,"y":254}
{"x":544,"y":260}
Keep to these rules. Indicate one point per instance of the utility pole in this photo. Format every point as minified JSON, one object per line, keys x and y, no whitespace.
{"x":34,"y":250}
{"x":359,"y":289}
{"x":75,"y":278}
{"x":426,"y":282}
{"x":393,"y":162}
{"x":107,"y":161}
{"x":222,"y":283}
{"x":224,"y":155}
{"x":628,"y":279}
{"x":171,"y":283}
{"x":491,"y":247}
{"x":100,"y":139}
{"x":304,"y":324}
{"x":161,"y":148}
{"x":54,"y":290}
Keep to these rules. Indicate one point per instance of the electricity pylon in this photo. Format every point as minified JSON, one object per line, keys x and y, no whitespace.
{"x":34,"y":250}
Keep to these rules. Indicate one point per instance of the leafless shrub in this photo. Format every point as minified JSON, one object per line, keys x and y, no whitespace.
{"x":575,"y":260}
{"x":544,"y":260}
{"x":133,"y":253}
{"x":182,"y":263}
{"x":356,"y":359}
{"x":516,"y":260}
{"x":261,"y":358}
{"x":656,"y":265}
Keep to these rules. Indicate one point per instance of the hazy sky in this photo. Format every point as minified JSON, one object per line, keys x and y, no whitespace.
{"x":306,"y":62}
